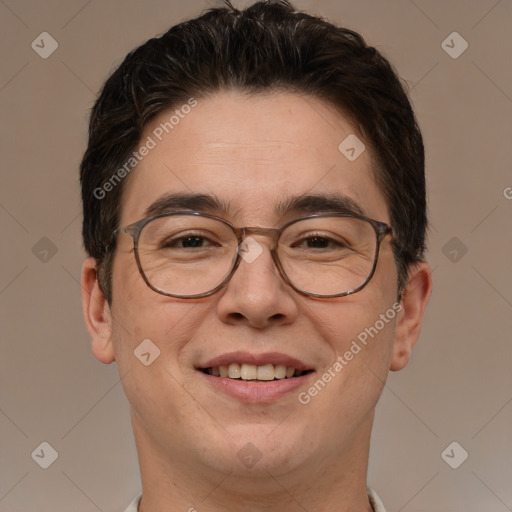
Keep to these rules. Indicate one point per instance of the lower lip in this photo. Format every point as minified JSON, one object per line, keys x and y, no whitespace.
{"x":256,"y":392}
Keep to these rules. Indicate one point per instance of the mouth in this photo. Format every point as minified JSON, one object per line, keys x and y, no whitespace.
{"x":255,"y":373}
{"x":255,"y":378}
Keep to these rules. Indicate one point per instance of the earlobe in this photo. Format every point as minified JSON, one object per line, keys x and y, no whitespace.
{"x":414,"y":301}
{"x":96,"y":313}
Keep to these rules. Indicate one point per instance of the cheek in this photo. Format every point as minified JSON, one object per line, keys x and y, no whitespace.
{"x":359,"y":318}
{"x":374,"y":315}
{"x":148,"y":337}
{"x":140,"y":314}
{"x":360,"y":331}
{"x":135,"y":312}
{"x":344,"y":394}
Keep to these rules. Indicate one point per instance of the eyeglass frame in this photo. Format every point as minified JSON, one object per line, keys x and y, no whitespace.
{"x":381,"y":230}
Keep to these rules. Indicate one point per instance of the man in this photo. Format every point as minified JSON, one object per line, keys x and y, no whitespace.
{"x":253,"y":358}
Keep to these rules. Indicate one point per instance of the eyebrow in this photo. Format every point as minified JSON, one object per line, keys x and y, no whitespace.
{"x":294,"y":205}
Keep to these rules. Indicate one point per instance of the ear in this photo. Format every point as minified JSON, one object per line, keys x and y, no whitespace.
{"x":414,"y":301}
{"x":96,"y":313}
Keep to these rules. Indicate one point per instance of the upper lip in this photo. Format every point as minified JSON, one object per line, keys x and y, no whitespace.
{"x":256,"y":359}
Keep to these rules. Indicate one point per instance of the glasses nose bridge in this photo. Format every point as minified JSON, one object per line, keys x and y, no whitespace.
{"x":272,"y":233}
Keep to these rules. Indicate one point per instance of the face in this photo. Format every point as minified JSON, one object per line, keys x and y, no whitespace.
{"x":253,"y":153}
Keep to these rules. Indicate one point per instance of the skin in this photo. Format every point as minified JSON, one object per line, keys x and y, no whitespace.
{"x":252,"y":152}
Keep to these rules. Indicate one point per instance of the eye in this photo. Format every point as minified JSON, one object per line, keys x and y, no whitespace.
{"x":319,"y":241}
{"x":189,"y":241}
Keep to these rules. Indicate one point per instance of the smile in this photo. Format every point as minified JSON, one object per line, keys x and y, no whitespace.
{"x":252,"y":372}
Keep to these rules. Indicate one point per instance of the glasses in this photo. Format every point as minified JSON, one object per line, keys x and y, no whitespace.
{"x":190,"y":254}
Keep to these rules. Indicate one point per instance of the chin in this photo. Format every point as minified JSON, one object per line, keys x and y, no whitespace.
{"x":261,"y":449}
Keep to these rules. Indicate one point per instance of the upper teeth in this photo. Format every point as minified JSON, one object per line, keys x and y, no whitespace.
{"x":252,"y":372}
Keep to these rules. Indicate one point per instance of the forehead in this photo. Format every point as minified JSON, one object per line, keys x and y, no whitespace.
{"x":256,"y":156}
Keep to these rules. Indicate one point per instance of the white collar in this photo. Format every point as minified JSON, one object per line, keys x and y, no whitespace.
{"x":372,"y":495}
{"x":375,"y":501}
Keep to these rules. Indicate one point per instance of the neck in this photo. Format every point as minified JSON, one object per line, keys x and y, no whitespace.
{"x":174,"y":482}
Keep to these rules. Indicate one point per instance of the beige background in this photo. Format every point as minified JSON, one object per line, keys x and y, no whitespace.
{"x":459,"y":384}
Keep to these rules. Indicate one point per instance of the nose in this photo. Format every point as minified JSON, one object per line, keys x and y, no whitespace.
{"x":256,"y":294}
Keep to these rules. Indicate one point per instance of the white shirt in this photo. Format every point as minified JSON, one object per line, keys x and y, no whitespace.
{"x":372,"y":495}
